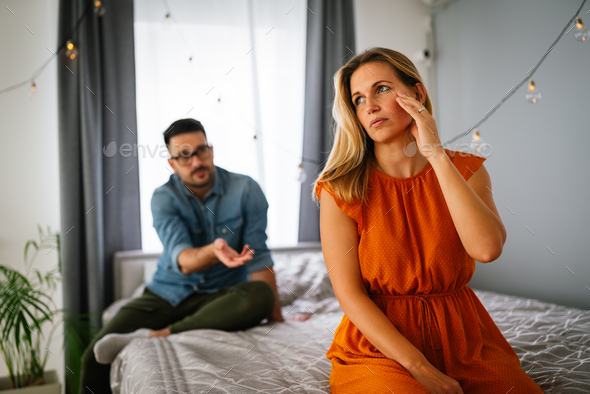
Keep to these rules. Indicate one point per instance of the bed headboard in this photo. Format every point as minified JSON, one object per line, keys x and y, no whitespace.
{"x":134,"y":267}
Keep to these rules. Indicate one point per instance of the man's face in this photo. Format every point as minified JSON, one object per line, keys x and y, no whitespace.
{"x":199,"y":170}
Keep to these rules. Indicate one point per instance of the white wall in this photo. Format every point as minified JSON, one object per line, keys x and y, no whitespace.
{"x":28,"y":131}
{"x":401,"y":25}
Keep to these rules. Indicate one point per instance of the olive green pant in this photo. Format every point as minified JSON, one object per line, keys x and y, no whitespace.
{"x":230,"y":309}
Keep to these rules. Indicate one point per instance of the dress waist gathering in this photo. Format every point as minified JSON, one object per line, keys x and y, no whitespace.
{"x":418,"y":296}
{"x":427,"y":319}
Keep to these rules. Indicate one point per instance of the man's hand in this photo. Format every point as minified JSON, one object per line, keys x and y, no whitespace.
{"x":229,"y":256}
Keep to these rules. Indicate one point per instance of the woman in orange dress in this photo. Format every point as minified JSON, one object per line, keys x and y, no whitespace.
{"x":402,"y":222}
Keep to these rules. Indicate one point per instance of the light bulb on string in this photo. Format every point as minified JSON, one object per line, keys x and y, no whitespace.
{"x":71,"y":50}
{"x":99,"y":9}
{"x":580,"y":31}
{"x":32,"y":93}
{"x":532,"y":94}
{"x":478,"y":145}
{"x":301,"y":174}
{"x":167,"y":20}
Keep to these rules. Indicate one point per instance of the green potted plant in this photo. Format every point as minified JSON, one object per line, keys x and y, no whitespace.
{"x":27,"y":307}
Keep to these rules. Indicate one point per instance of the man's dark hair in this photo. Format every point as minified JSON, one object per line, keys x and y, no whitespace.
{"x":182,"y":126}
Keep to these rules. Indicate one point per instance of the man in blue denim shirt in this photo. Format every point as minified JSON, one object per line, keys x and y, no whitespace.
{"x":203,"y":215}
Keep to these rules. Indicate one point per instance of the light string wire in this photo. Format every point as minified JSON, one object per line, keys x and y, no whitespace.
{"x":479,"y":123}
{"x":529,"y":75}
{"x":62,"y":46}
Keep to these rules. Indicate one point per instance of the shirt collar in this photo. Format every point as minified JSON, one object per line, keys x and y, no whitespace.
{"x":217,"y":188}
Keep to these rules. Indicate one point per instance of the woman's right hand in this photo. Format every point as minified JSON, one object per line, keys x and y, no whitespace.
{"x":435,"y":381}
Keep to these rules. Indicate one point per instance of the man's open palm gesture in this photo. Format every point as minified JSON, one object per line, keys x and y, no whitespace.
{"x":228,"y":256}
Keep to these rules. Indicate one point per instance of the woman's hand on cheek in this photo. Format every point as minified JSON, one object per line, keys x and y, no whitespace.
{"x":423,"y":128}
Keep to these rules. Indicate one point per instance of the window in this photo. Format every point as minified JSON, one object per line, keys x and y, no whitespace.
{"x":246,"y":78}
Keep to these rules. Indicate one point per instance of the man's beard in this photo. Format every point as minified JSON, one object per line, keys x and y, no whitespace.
{"x":209,"y":179}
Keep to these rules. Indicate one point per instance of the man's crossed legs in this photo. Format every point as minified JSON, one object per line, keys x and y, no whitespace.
{"x":232,"y":308}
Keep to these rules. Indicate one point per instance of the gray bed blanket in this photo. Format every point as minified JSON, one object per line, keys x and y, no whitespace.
{"x":551,"y":341}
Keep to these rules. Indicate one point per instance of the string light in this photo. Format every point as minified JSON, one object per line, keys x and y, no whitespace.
{"x":530,"y":74}
{"x":478,"y":145}
{"x":302,"y":175}
{"x":71,"y":50}
{"x":99,"y":9}
{"x":168,"y":20}
{"x":30,"y":81}
{"x":32,"y":94}
{"x":532,"y":94}
{"x":581,"y":32}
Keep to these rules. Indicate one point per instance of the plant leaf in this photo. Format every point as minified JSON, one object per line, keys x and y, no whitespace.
{"x":26,"y":306}
{"x":26,"y":329}
{"x":38,"y":305}
{"x":29,"y":243}
{"x":17,"y":330}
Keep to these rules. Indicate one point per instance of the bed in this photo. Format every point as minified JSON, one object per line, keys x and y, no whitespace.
{"x":551,"y":341}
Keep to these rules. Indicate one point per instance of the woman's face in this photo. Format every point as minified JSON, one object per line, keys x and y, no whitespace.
{"x":374,"y":88}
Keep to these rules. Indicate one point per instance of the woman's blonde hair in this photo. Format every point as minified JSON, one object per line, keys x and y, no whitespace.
{"x":348,"y":168}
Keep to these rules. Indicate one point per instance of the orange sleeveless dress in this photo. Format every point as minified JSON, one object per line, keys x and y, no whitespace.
{"x":416,"y":271}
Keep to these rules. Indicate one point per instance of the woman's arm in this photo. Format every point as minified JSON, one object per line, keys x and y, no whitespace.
{"x":471,"y":204}
{"x":472,"y":208}
{"x":339,"y":244}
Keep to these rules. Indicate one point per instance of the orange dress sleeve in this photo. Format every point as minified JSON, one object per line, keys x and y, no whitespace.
{"x":466,"y":163}
{"x":352,"y":210}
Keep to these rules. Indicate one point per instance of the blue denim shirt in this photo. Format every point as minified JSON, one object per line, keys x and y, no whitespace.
{"x":234,"y":209}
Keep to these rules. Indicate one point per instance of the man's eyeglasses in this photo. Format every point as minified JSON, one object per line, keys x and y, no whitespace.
{"x":202,"y":152}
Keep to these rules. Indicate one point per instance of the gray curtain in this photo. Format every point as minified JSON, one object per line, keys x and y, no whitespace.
{"x":330,"y":30}
{"x":99,"y":188}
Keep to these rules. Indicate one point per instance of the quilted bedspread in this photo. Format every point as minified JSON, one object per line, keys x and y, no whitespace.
{"x":551,"y":341}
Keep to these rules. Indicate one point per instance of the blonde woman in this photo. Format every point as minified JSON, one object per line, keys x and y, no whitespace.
{"x":402,"y":222}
